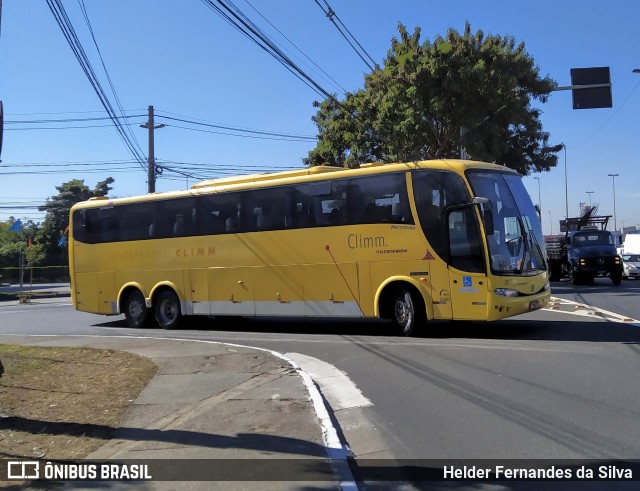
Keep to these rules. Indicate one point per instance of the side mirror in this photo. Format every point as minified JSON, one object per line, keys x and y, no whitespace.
{"x":486,"y":213}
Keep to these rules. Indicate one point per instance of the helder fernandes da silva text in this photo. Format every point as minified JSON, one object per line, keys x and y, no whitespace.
{"x":553,"y":472}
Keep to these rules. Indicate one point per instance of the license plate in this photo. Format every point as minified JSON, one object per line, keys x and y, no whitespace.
{"x":534,"y":305}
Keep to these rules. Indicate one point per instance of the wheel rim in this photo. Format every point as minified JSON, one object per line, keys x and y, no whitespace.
{"x":404,"y":310}
{"x":168,"y":311}
{"x":136,"y":309}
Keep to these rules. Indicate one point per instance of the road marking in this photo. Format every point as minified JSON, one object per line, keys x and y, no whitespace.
{"x":24,"y":308}
{"x":575,"y":308}
{"x":335,"y":385}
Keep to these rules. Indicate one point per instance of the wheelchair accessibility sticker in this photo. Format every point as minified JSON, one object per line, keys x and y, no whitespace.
{"x":467,"y":285}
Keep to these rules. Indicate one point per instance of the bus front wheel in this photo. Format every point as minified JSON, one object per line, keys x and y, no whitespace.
{"x":405,"y":314}
{"x":167,"y":310}
{"x":135,"y":310}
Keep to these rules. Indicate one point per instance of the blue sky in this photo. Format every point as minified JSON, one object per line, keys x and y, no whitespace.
{"x":188,"y":63}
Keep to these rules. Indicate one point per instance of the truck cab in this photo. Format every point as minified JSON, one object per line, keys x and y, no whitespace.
{"x":590,"y":253}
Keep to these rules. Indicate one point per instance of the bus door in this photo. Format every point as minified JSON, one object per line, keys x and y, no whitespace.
{"x":467,"y":278}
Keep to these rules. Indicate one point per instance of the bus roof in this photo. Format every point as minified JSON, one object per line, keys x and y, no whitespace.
{"x":460,"y":165}
{"x":317,"y":173}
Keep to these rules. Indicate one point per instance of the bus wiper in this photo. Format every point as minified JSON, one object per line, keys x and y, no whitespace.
{"x":543,"y":266}
{"x":525,"y":248}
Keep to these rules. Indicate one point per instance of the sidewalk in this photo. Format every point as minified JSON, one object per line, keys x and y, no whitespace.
{"x":9,"y":293}
{"x":212,"y":401}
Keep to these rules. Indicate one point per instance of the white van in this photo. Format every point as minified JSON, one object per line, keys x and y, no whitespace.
{"x":631,"y":244}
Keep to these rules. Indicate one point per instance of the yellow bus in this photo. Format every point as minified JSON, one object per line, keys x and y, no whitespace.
{"x":409,"y":242}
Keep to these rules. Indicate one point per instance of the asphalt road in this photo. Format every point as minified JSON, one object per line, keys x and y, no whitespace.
{"x":546,"y":385}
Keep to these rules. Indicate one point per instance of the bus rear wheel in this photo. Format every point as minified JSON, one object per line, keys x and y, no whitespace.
{"x":136,"y":312}
{"x":405,"y":313}
{"x":167,"y":310}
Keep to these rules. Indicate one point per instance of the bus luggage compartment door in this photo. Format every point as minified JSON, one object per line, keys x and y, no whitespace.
{"x":86,"y":291}
{"x":331,"y":290}
{"x":231,"y":291}
{"x":278,"y":290}
{"x":107,"y":303}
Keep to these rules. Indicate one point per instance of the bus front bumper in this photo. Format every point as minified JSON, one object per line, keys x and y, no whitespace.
{"x":503,"y":307}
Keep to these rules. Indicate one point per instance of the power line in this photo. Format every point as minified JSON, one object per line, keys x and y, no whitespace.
{"x":264,"y":134}
{"x":195,"y":170}
{"x":295,"y":139}
{"x":67,"y":164}
{"x":71,"y":120}
{"x":242,"y":130}
{"x":63,"y":21}
{"x":239,"y":168}
{"x":104,"y":66}
{"x":614,"y":114}
{"x":332,"y":16}
{"x":71,"y":170}
{"x":298,"y":49}
{"x":237,"y":19}
{"x":61,"y":127}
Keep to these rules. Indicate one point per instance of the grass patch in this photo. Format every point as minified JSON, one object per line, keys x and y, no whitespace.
{"x":63,"y":403}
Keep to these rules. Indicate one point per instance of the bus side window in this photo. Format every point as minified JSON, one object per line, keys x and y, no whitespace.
{"x":215,"y":211}
{"x":231,"y":222}
{"x":109,"y":230}
{"x":269,"y":209}
{"x":331,"y":209}
{"x":137,"y":221}
{"x":179,"y":227}
{"x":213,"y":223}
{"x":303,"y":214}
{"x":379,"y":199}
{"x":92,"y":226}
{"x":82,"y":230}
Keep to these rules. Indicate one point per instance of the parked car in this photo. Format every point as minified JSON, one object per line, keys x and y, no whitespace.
{"x":631,"y":266}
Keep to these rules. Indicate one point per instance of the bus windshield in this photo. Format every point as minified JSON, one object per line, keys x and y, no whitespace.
{"x":515,"y":246}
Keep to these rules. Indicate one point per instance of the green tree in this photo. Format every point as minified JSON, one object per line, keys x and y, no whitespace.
{"x":433,"y":99}
{"x":13,"y":244}
{"x":57,"y":208}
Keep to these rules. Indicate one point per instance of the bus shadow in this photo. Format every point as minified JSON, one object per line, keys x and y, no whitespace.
{"x":508,"y":329}
{"x":533,"y":330}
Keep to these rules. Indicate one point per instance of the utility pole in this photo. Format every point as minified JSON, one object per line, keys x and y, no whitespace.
{"x":615,"y":223}
{"x":151,"y":175}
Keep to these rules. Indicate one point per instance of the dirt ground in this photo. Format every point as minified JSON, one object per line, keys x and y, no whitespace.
{"x":63,"y":403}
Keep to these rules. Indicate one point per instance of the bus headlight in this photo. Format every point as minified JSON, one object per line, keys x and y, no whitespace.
{"x":506,"y":292}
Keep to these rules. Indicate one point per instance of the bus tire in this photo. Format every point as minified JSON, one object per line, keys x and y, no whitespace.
{"x":167,"y":310}
{"x":405,"y":312}
{"x":135,"y":309}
